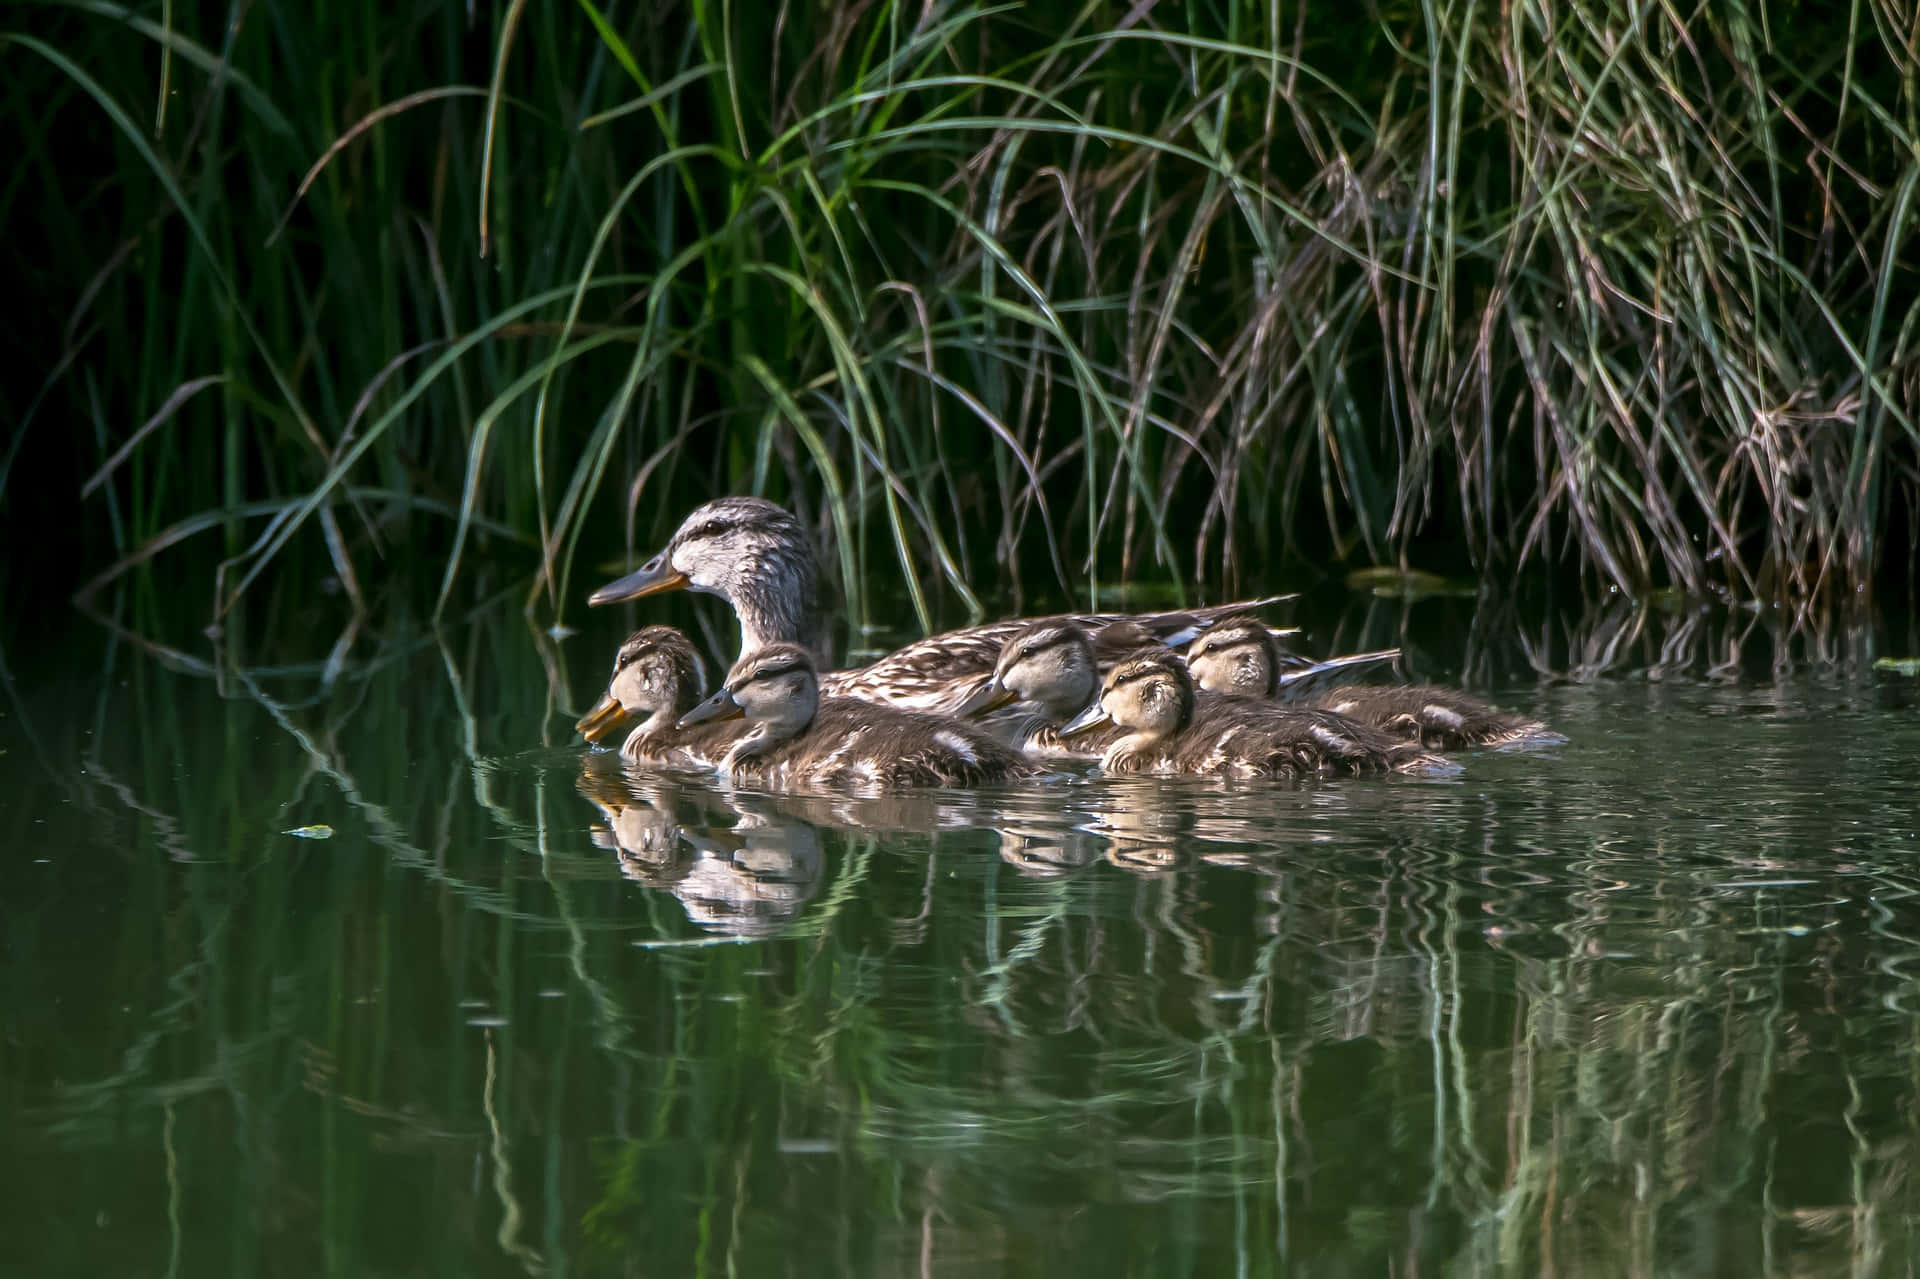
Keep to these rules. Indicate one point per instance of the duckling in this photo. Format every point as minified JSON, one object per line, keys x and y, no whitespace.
{"x":1171,"y":730}
{"x":1240,"y":655}
{"x":657,"y":677}
{"x":757,"y":557}
{"x":1052,"y":668}
{"x":798,"y":738}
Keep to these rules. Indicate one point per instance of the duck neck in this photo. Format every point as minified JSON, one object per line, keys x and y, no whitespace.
{"x":659,"y":722}
{"x":751,"y":746}
{"x":1131,"y":747}
{"x":777,"y":602}
{"x":649,"y":728}
{"x":1063,"y":706}
{"x":770,"y":730}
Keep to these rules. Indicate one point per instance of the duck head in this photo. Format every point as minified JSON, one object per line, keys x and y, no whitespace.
{"x":1050,"y":664}
{"x":1236,"y":655}
{"x":657,"y":677}
{"x":776,"y":687}
{"x":751,"y":553}
{"x":1150,"y":694}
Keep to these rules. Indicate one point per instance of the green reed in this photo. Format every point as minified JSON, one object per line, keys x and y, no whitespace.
{"x":985,"y":291}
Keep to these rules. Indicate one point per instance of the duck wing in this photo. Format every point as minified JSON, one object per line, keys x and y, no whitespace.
{"x":1437,"y":717}
{"x":1302,"y":677}
{"x":937,"y":673}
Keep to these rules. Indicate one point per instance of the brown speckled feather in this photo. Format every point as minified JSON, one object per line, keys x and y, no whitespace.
{"x":1438,"y":718}
{"x":1175,"y":729}
{"x":859,"y":745}
{"x":937,"y":673}
{"x":757,"y":556}
{"x":799,"y":738}
{"x":1239,"y":737}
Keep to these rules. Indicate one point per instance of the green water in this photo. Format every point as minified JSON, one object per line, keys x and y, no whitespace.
{"x":1643,"y":1004}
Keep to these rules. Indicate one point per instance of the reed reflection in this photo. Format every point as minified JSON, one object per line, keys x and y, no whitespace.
{"x":1647,"y":1009}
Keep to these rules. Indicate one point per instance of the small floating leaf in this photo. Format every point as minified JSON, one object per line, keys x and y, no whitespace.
{"x":310,"y":832}
{"x":1387,"y":581}
{"x":1898,"y":665}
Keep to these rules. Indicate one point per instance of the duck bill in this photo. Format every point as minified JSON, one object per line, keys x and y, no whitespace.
{"x":989,"y":695}
{"x":1092,"y":717}
{"x":655,"y":576}
{"x":720,"y":706}
{"x":606,"y":718}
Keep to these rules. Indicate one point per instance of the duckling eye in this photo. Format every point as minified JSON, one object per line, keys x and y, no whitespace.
{"x":772,"y":672}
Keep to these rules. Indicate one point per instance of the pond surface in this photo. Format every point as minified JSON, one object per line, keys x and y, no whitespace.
{"x":1643,"y":1004}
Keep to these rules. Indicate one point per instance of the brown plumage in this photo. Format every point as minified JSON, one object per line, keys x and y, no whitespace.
{"x":757,"y":557}
{"x":1047,"y":673}
{"x":1243,"y":655}
{"x":657,"y":678}
{"x":798,"y":738}
{"x":1170,"y":729}
{"x":1438,"y":718}
{"x":1240,"y":655}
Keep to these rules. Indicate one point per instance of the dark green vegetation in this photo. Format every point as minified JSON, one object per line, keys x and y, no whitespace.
{"x":1103,"y":291}
{"x":1643,"y":1006}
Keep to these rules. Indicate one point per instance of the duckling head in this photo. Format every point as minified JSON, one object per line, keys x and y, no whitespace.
{"x":1150,"y":694}
{"x":1236,"y":655}
{"x":1050,"y":664}
{"x":657,"y":677}
{"x":776,"y":687}
{"x":751,"y":553}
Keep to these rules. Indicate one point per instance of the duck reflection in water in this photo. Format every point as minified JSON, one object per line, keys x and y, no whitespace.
{"x":737,"y":865}
{"x":1142,"y":833}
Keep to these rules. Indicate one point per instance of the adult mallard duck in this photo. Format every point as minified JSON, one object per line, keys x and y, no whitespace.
{"x":757,"y":557}
{"x":1171,"y":730}
{"x":799,"y":738}
{"x":1240,"y":655}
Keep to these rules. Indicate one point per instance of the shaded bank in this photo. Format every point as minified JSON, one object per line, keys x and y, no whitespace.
{"x":990,"y":294}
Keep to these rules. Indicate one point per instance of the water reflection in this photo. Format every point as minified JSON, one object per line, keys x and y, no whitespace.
{"x":738,"y":865}
{"x":1645,"y":1004}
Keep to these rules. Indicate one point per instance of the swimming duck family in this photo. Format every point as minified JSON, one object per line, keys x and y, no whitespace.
{"x":757,"y":557}
{"x":975,"y":705}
